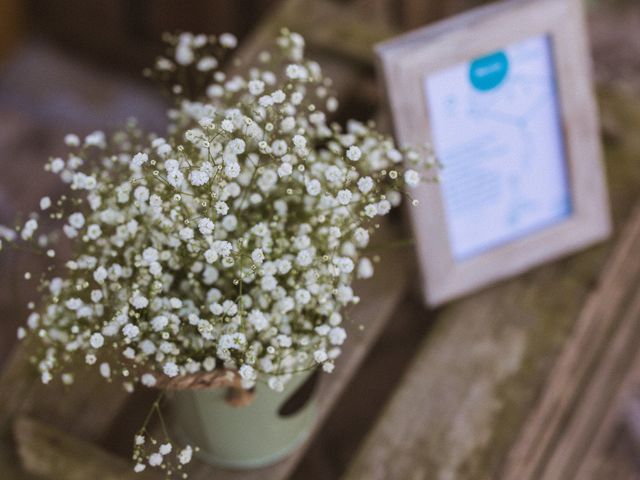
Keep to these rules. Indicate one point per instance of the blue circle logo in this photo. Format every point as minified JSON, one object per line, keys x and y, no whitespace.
{"x":487,"y":73}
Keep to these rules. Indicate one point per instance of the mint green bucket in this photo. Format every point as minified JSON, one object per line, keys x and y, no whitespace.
{"x":252,"y":436}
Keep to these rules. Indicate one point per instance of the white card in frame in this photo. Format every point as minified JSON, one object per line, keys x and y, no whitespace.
{"x":504,"y":95}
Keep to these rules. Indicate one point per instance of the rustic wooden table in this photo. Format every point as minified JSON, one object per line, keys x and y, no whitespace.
{"x":529,"y":379}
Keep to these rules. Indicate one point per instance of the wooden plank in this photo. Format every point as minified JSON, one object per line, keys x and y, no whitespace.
{"x":16,"y":380}
{"x":581,"y":360}
{"x":11,"y":25}
{"x":10,"y":468}
{"x":417,"y":13}
{"x":479,"y":373}
{"x":85,"y":409}
{"x":327,"y":27}
{"x":613,"y":451}
{"x":55,"y":455}
{"x":379,"y":298}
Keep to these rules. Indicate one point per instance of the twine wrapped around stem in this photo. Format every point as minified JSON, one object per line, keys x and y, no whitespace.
{"x":219,"y":378}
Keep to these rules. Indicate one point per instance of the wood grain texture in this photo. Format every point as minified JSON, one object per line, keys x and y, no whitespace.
{"x":478,"y":375}
{"x":54,"y":455}
{"x":86,"y":409}
{"x":587,"y":374}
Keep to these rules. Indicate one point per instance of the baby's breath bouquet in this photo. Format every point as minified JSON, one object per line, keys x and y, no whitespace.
{"x":225,"y":248}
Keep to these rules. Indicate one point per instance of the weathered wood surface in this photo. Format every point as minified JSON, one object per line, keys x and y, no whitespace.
{"x":86,"y":409}
{"x":584,"y":384}
{"x":54,"y":455}
{"x":478,"y":374}
{"x":327,"y":27}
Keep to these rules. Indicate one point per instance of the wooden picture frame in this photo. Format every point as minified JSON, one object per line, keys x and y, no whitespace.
{"x":412,"y":64}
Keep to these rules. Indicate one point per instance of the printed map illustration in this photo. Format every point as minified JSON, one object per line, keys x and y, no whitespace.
{"x":496,"y":129}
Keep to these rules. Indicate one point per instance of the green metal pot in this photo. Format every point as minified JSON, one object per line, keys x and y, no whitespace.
{"x":246,"y":437}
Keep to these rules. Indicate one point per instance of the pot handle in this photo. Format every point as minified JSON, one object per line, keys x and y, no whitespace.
{"x":301,"y":397}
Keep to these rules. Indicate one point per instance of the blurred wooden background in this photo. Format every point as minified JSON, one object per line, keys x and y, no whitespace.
{"x":533,"y":378}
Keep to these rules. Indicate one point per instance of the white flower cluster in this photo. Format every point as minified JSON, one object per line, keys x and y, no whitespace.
{"x":149,"y":451}
{"x":231,"y":242}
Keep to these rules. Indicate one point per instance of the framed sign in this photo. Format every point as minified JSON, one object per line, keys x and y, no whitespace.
{"x":504,"y":95}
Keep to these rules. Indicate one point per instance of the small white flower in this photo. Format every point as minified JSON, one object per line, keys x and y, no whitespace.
{"x":95,"y":139}
{"x":299,"y":141}
{"x":285,"y":169}
{"x":100,"y":274}
{"x":130,"y":331}
{"x":165,"y":449}
{"x":294,"y":71}
{"x":72,"y":140}
{"x":365,"y":268}
{"x":337,"y":335}
{"x":29,"y":229}
{"x":256,"y":87}
{"x":354,"y":153}
{"x":288,"y":124}
{"x":232,"y":169}
{"x":175,"y":178}
{"x":184,"y":54}
{"x":96,"y":340}
{"x":170,"y":369}
{"x":171,"y":165}
{"x":198,"y":178}
{"x":320,"y":356}
{"x":265,"y":101}
{"x":412,"y":178}
{"x":155,"y":459}
{"x":45,"y":202}
{"x":94,"y":231}
{"x":222,"y":208}
{"x":205,"y":226}
{"x":206,"y":64}
{"x":186,"y":233}
{"x":139,"y":159}
{"x":278,"y":96}
{"x":276,"y":384}
{"x":279,"y":147}
{"x":237,"y":146}
{"x":384,"y":207}
{"x":313,"y":187}
{"x":150,"y":255}
{"x":268,"y":283}
{"x":227,"y":125}
{"x":105,"y":370}
{"x":228,"y":40}
{"x":185,"y":455}
{"x":371,"y":210}
{"x":247,"y":372}
{"x":303,"y":296}
{"x":139,"y":467}
{"x":344,"y":197}
{"x":257,"y":256}
{"x":159,"y":323}
{"x":365,"y":184}
{"x":139,"y":301}
{"x":148,"y":380}
{"x":209,"y":364}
